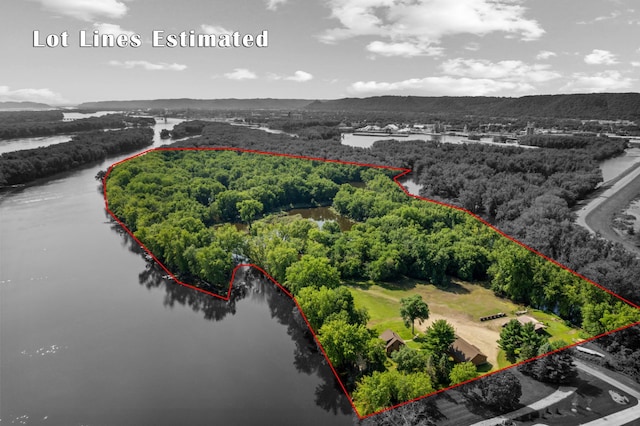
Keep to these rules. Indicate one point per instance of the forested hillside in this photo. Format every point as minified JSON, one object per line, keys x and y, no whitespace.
{"x":198,"y":104}
{"x":601,"y":106}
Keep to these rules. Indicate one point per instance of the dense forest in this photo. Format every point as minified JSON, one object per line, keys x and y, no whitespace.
{"x":24,"y":166}
{"x":611,"y":106}
{"x":534,"y":210}
{"x":17,"y":117}
{"x":180,"y":204}
{"x":50,"y":123}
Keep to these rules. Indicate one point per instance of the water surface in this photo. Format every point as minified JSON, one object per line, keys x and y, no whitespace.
{"x":90,"y":334}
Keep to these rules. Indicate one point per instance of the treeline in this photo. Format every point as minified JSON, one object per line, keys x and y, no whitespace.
{"x":187,"y":128}
{"x":312,"y":129}
{"x":600,"y":147}
{"x":36,"y":128}
{"x":11,"y":117}
{"x":24,"y":166}
{"x":610,"y":106}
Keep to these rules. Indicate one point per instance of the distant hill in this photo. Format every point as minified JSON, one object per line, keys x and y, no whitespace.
{"x":202,"y":104}
{"x":23,"y":106}
{"x":583,"y":106}
{"x":606,"y":106}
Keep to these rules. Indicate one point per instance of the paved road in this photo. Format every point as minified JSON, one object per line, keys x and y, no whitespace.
{"x":557,"y":396}
{"x":620,"y":418}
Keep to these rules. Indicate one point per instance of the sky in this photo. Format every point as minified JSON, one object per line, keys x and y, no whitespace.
{"x":319,"y":49}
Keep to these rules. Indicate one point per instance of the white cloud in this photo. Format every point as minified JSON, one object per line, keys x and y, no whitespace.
{"x":545,"y":54}
{"x":600,"y":57}
{"x":606,"y":81}
{"x":241,"y":74}
{"x":423,"y":23}
{"x":86,"y":10}
{"x":403,"y":49}
{"x":149,"y":66}
{"x":439,"y":86}
{"x":300,"y":76}
{"x":635,"y":64}
{"x":509,"y":71}
{"x":273,"y":4}
{"x":612,"y":15}
{"x":104,"y":28}
{"x":46,"y":96}
{"x":214,"y":29}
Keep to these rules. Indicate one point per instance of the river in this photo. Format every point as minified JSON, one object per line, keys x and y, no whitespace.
{"x":614,"y":167}
{"x":91,"y":335}
{"x":19,"y":144}
{"x":367,"y":141}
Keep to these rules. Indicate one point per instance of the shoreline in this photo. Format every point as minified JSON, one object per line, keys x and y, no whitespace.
{"x":597,"y":215}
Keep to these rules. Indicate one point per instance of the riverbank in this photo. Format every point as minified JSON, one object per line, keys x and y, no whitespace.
{"x":597,"y":216}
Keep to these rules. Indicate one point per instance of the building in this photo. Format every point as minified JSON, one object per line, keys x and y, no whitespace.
{"x":463,"y":351}
{"x":537,"y":325}
{"x":392,"y":341}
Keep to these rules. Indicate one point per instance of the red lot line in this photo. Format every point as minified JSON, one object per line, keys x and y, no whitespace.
{"x":404,"y":172}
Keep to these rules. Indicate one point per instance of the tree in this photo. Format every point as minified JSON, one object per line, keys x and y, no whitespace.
{"x":510,"y":339}
{"x":409,"y":360}
{"x":279,"y":259}
{"x":462,"y":372}
{"x":344,"y":343}
{"x":413,"y":308}
{"x":439,"y":336}
{"x":323,"y":304}
{"x":385,"y":389}
{"x":530,"y":342}
{"x":557,"y":367}
{"x":312,"y":272}
{"x":249,"y":209}
{"x":500,"y":391}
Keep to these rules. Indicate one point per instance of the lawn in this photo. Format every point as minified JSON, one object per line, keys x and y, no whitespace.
{"x":461,"y":303}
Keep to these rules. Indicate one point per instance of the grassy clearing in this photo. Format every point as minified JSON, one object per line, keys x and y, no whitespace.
{"x":461,"y":302}
{"x":556,"y":328}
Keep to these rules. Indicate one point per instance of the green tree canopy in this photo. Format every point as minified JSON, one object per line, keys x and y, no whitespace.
{"x":413,"y":308}
{"x":462,"y":372}
{"x":249,"y":209}
{"x":311,"y":272}
{"x":439,"y":336}
{"x":510,"y":338}
{"x":344,"y":343}
{"x":323,"y":304}
{"x":409,"y":360}
{"x":381,"y":390}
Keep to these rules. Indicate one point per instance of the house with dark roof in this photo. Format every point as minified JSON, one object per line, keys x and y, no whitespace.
{"x":392,"y":341}
{"x":463,"y":351}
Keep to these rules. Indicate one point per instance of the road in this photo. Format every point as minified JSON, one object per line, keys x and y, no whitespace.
{"x":557,"y":396}
{"x":620,"y":418}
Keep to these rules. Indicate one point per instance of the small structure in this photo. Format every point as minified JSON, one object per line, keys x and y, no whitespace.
{"x":463,"y":351}
{"x":494,"y":316}
{"x":537,"y":325}
{"x":392,"y":341}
